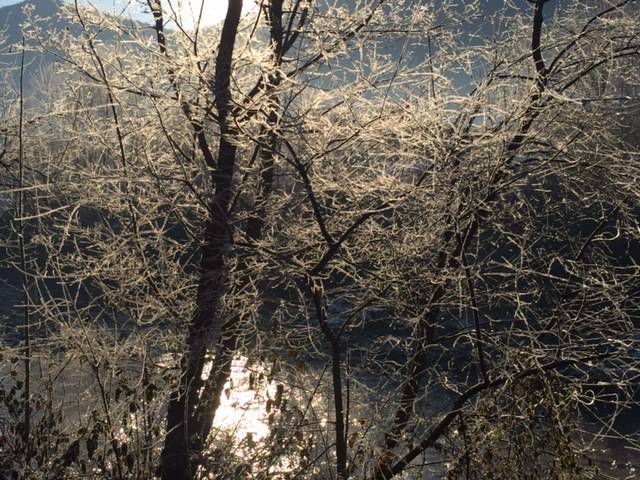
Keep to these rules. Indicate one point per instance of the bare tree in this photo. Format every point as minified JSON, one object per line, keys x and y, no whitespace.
{"x":415,"y":232}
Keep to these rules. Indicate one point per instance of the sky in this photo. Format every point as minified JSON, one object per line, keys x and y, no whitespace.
{"x":214,"y":9}
{"x":213,"y":12}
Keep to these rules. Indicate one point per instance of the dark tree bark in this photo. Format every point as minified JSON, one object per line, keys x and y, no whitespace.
{"x":206,"y":325}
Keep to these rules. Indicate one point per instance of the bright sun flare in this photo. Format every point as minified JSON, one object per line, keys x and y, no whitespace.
{"x":213,"y":11}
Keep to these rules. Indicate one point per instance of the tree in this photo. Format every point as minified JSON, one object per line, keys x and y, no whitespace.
{"x":452,"y":269}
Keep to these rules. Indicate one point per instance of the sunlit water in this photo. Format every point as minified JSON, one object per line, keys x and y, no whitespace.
{"x":244,"y":422}
{"x":243,"y":406}
{"x":251,"y":399}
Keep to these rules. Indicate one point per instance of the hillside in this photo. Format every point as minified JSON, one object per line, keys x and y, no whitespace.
{"x":50,"y":20}
{"x":12,"y":18}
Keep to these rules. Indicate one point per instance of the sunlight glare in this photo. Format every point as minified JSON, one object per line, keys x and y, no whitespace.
{"x":213,"y":11}
{"x":242,"y":408}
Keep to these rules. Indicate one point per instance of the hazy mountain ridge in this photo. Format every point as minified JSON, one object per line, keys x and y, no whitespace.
{"x":48,"y":14}
{"x":12,"y":19}
{"x":13,"y":16}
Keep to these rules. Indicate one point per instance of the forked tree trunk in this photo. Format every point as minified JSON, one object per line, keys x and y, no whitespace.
{"x":231,"y":333}
{"x":206,"y":324}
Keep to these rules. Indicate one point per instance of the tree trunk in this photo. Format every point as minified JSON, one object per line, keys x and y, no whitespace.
{"x":206,"y":326}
